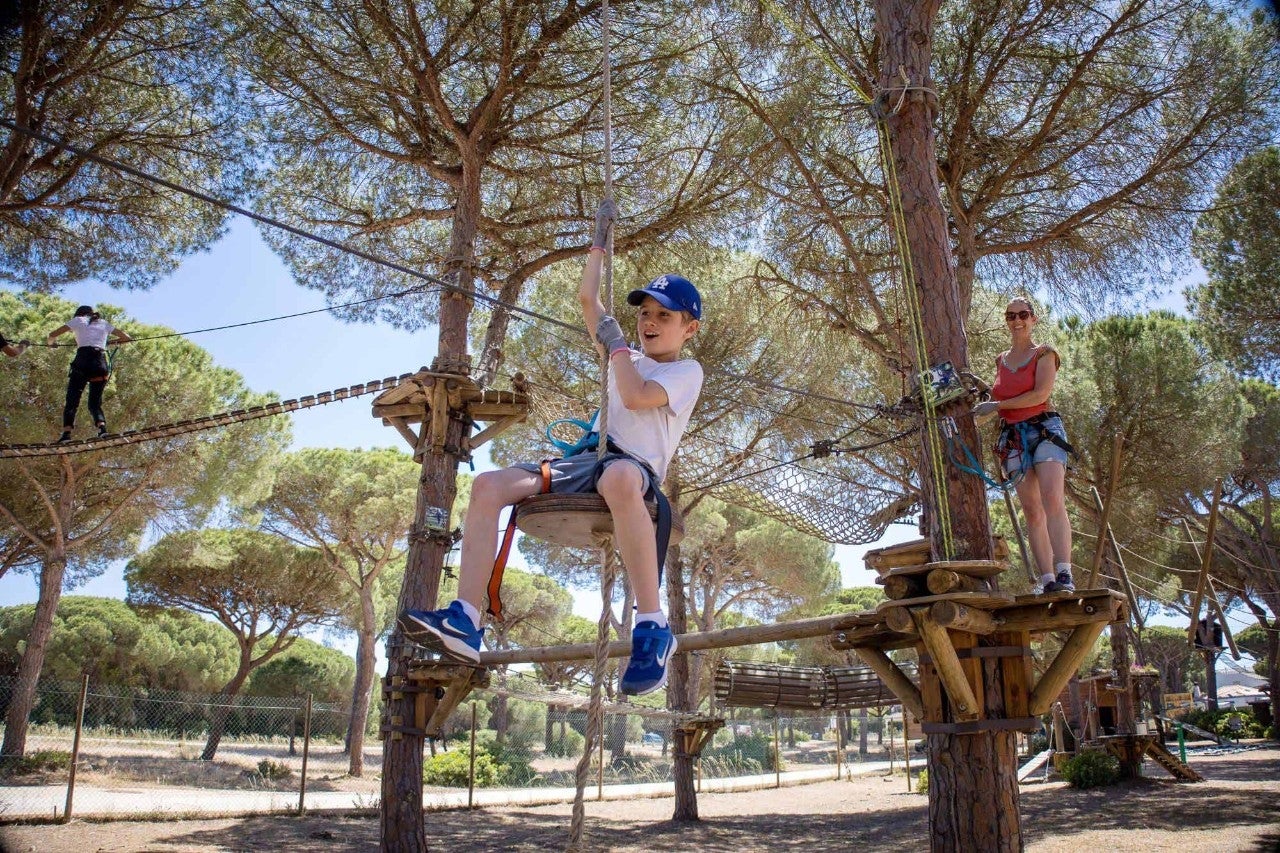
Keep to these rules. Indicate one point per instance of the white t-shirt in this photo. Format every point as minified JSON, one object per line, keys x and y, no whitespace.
{"x":90,"y":334}
{"x":654,"y":434}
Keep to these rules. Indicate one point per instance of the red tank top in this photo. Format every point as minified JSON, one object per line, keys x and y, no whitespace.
{"x":1011,"y":383}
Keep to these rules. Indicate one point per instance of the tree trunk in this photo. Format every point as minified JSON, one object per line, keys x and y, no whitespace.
{"x":678,"y":689}
{"x":18,"y":716}
{"x":1131,"y":763}
{"x":366,"y":665}
{"x":863,"y":720}
{"x":403,"y":829}
{"x":218,"y":722}
{"x":1210,"y":678}
{"x":548,"y":729}
{"x":973,"y":787}
{"x":501,"y":719}
{"x":1273,"y":674}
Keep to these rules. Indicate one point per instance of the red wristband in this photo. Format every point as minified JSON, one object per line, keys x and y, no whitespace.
{"x":595,"y":249}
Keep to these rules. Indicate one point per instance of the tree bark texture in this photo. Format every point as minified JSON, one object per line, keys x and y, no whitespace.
{"x":1130,"y":764}
{"x":24,"y":692}
{"x":403,"y":829}
{"x":218,"y":720}
{"x":678,"y":690}
{"x":366,"y":664}
{"x":973,"y":787}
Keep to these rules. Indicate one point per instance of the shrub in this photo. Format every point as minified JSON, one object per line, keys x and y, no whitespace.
{"x":570,"y":746}
{"x":450,"y":769}
{"x":1249,"y":725}
{"x":45,"y":760}
{"x":269,"y":769}
{"x":757,"y":748}
{"x":1091,"y":769}
{"x":1037,"y":743}
{"x":922,"y":782}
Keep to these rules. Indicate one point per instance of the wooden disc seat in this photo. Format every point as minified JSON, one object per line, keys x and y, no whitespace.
{"x":578,"y":521}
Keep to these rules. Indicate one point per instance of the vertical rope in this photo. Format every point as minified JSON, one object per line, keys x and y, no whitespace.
{"x":595,"y":713}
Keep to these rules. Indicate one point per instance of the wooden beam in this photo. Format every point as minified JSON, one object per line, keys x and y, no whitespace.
{"x":1216,"y":604}
{"x":1064,"y":666}
{"x":405,"y":430}
{"x":957,"y":617}
{"x":899,"y":586}
{"x":894,"y":678}
{"x":964,"y":705}
{"x":898,"y":619}
{"x":1117,"y":447}
{"x":495,"y":429}
{"x":1205,"y":562}
{"x":1124,"y":571}
{"x":1060,"y":615}
{"x":724,"y":638}
{"x":942,"y":581}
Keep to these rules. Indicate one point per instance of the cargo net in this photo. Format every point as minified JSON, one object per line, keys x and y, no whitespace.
{"x":843,"y":499}
{"x":839,"y":482}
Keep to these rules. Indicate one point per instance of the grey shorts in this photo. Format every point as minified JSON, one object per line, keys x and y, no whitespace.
{"x":579,"y":474}
{"x":1045,"y":450}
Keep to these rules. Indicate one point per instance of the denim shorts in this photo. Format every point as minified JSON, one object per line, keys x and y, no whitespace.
{"x":1045,"y":450}
{"x":578,"y":474}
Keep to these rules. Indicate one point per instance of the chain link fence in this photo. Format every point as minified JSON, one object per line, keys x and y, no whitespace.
{"x":145,"y":752}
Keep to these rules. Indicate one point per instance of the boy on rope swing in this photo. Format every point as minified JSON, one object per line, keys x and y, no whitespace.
{"x":651,"y":394}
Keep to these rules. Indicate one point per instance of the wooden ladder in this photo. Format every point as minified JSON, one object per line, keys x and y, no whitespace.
{"x":1166,"y":759}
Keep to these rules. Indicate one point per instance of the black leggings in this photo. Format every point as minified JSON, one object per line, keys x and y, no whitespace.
{"x":88,"y":368}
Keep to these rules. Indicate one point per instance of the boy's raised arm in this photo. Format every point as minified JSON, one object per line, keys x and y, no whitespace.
{"x":589,"y":293}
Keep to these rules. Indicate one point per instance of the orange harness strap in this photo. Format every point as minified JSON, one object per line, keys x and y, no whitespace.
{"x":504,"y":551}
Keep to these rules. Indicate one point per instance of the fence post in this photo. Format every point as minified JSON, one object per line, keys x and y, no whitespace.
{"x":471,"y":770}
{"x":777,"y":754}
{"x":306,"y":751}
{"x":906,"y":749}
{"x":839,"y":744}
{"x":75,"y":747}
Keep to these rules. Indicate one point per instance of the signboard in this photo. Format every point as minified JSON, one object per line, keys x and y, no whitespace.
{"x":1177,"y":704}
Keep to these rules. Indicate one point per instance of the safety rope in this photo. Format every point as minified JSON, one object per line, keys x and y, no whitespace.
{"x":11,"y":451}
{"x":595,"y":713}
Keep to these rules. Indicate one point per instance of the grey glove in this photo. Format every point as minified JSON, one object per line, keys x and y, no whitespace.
{"x":609,"y":334}
{"x":606,"y":215}
{"x":985,"y":410}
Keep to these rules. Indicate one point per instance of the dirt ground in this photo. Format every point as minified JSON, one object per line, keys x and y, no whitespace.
{"x":1237,"y":809}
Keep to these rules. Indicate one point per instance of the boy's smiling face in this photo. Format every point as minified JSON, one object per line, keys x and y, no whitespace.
{"x":662,"y":331}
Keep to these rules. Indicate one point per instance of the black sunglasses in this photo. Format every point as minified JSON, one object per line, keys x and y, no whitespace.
{"x":1010,"y":316}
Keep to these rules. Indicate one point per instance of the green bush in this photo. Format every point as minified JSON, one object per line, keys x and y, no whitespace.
{"x":42,"y":761}
{"x":1091,"y":769}
{"x":922,"y":782}
{"x":450,"y":769}
{"x":273,"y":769}
{"x":1037,"y":743}
{"x":511,"y":757}
{"x":1249,"y":725}
{"x":569,"y":747}
{"x":756,"y":748}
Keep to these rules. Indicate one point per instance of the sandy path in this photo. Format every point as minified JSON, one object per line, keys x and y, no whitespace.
{"x":1237,"y":809}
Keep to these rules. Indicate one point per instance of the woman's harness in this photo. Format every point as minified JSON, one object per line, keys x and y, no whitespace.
{"x":1024,"y":437}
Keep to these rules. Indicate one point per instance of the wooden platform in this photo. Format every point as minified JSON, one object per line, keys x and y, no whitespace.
{"x":427,"y":397}
{"x":916,"y":552}
{"x":437,"y":689}
{"x":578,"y":521}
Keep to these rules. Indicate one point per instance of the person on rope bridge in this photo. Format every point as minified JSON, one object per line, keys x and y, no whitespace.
{"x":651,"y":394}
{"x":10,"y":348}
{"x":1032,"y":444}
{"x":90,"y":366}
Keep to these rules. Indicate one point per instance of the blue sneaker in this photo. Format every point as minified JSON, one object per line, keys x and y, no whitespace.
{"x":651,"y":649}
{"x":449,"y":631}
{"x":1061,"y":583}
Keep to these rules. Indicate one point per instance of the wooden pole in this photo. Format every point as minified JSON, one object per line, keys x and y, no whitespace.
{"x":1117,"y":448}
{"x":1027,"y":566}
{"x":1124,"y":572}
{"x":1064,"y":666}
{"x":895,"y":679}
{"x":1214,"y":602}
{"x":724,"y":638}
{"x":471,"y":769}
{"x":906,"y":749}
{"x":75,"y":747}
{"x":306,"y":752}
{"x":777,"y":754}
{"x":840,"y":743}
{"x":1205,"y":562}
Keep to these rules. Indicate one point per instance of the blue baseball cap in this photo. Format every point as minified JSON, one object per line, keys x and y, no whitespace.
{"x":672,"y":291}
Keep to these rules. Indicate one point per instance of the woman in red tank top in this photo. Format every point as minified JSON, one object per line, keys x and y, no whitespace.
{"x":1033,"y":443}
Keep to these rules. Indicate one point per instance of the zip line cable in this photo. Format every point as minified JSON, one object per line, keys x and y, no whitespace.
{"x":374,"y":259}
{"x":423,"y":288}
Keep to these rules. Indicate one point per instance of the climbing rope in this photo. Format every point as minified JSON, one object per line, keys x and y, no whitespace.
{"x":12,"y":451}
{"x":595,"y":713}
